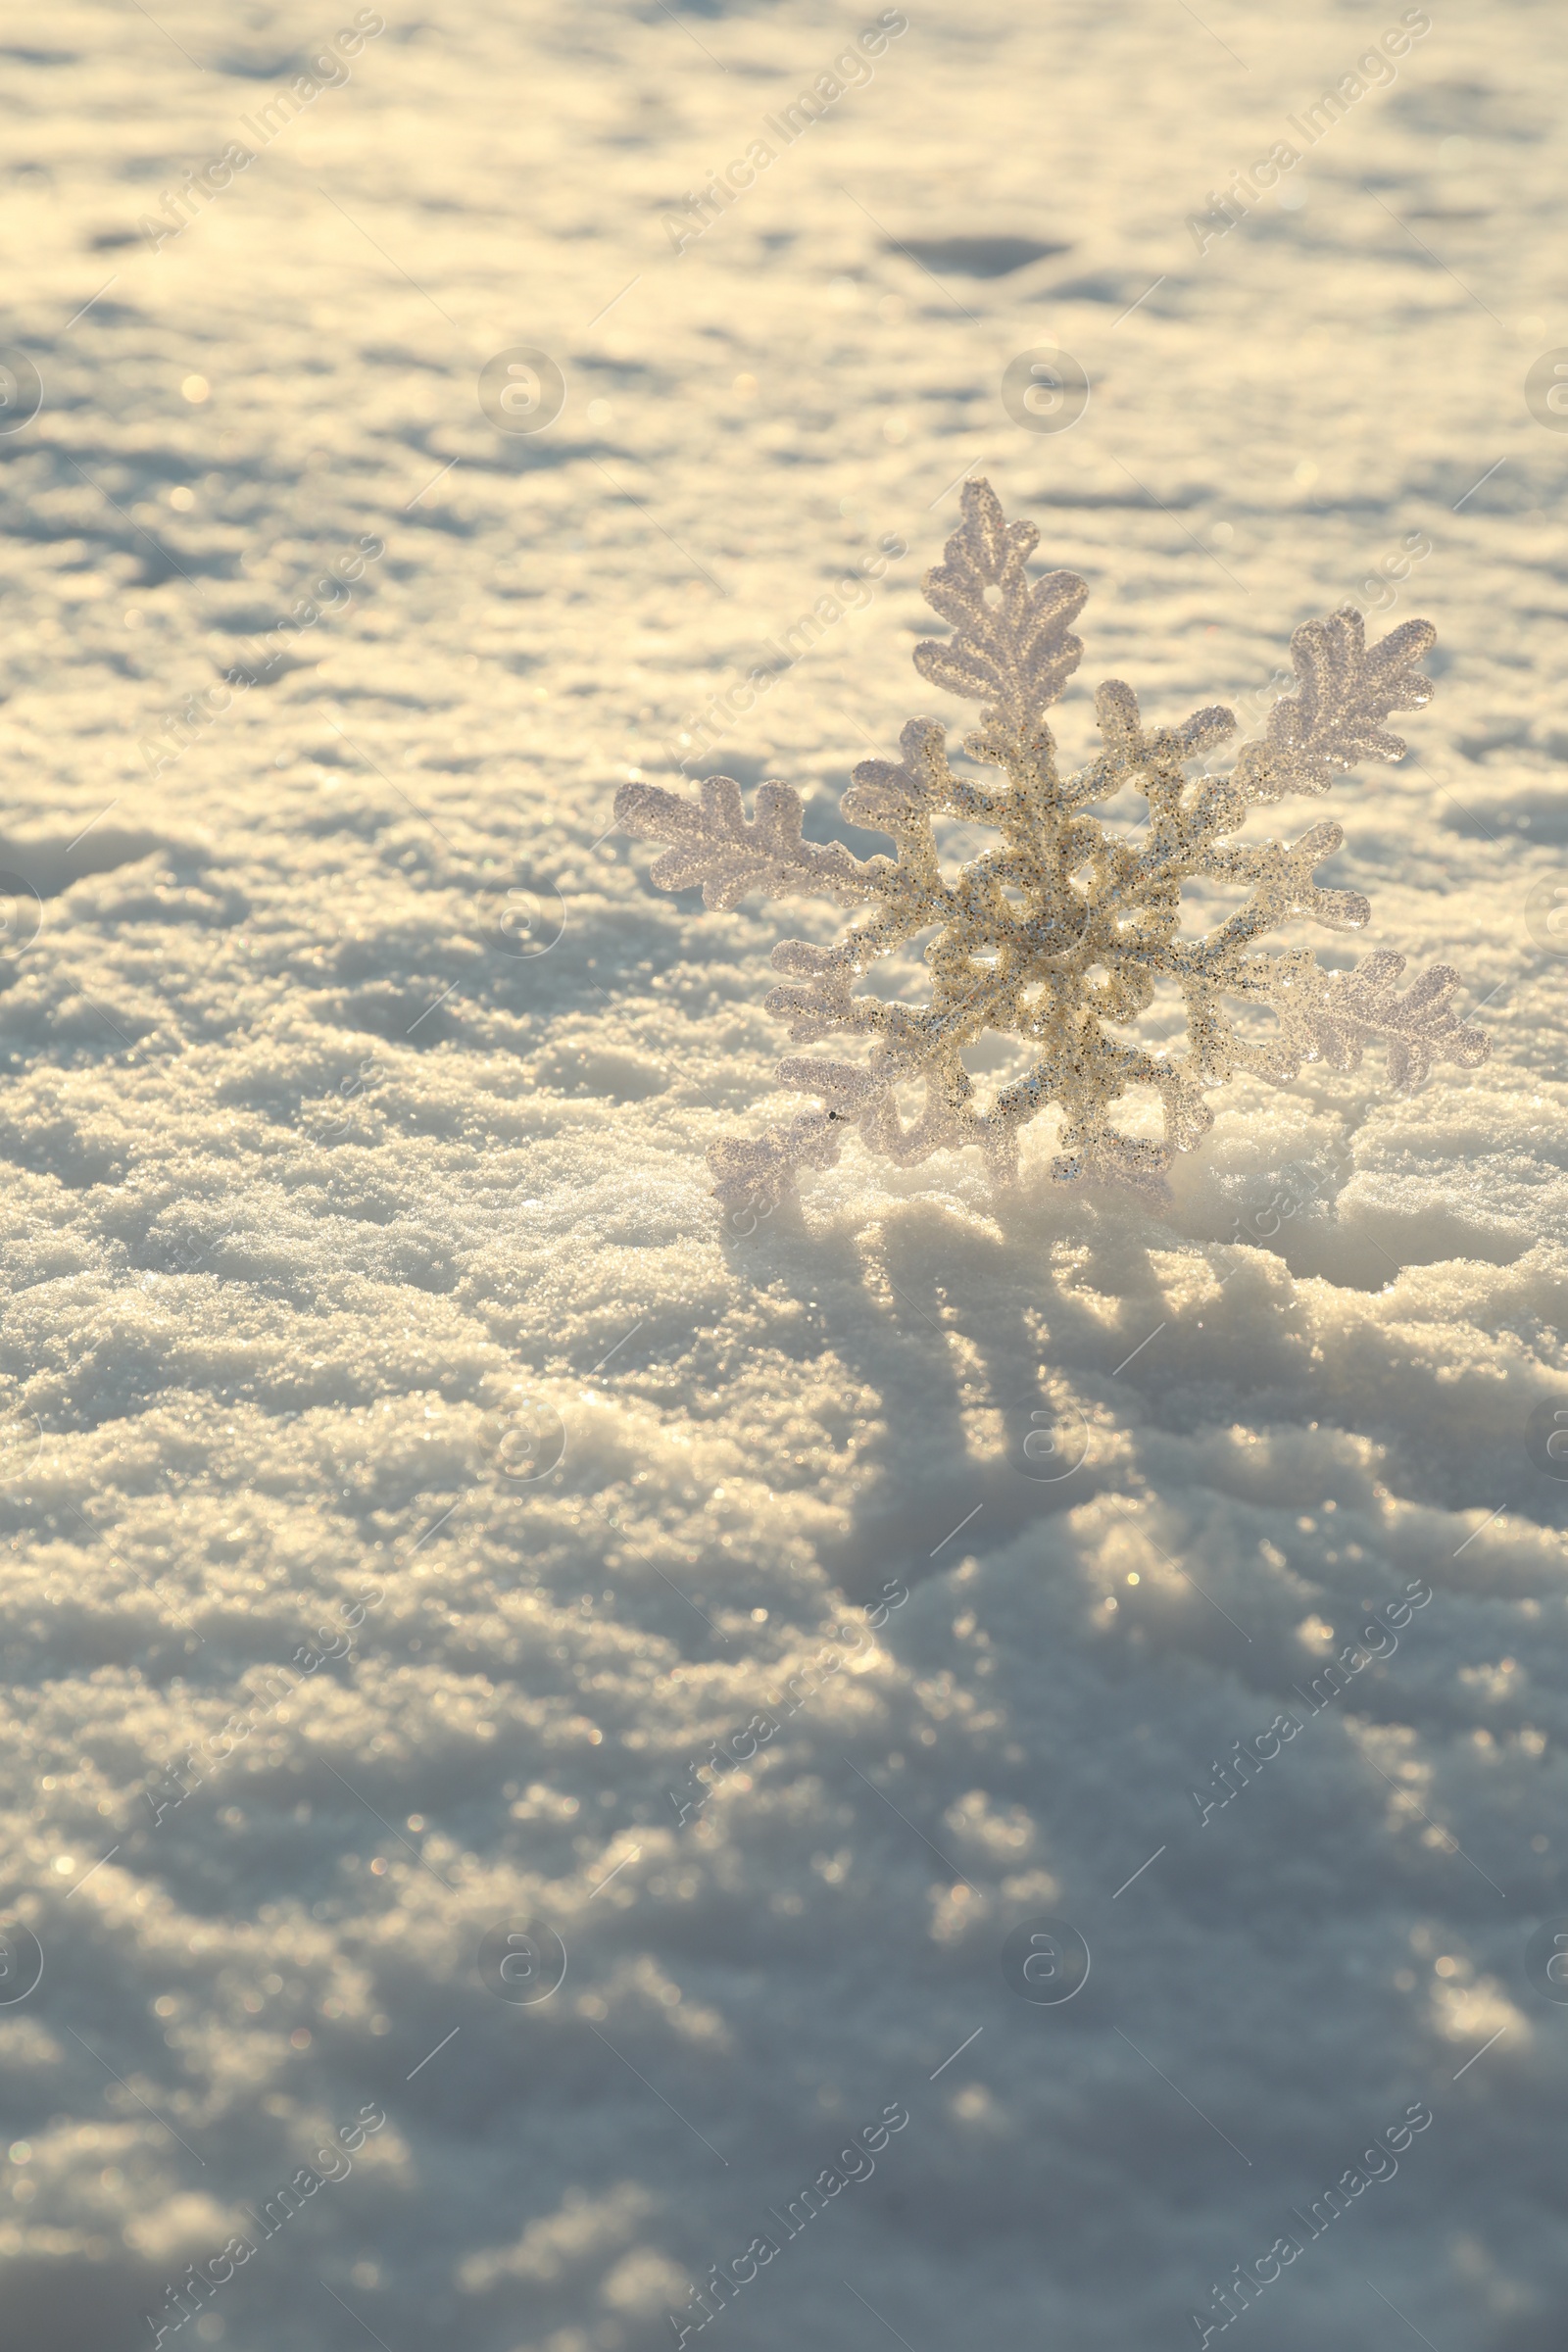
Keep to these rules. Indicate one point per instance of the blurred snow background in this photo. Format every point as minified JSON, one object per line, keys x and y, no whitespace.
{"x":331,"y":1200}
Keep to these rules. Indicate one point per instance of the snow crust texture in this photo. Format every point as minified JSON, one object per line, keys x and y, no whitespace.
{"x":430,"y":1517}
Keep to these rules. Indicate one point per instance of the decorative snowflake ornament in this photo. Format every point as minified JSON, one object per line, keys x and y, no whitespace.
{"x":1057,"y":936}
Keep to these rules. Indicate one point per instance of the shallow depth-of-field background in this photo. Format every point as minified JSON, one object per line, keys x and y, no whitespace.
{"x":356,"y":1091}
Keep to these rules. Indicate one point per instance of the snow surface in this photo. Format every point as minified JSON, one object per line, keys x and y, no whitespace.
{"x":330,"y":1202}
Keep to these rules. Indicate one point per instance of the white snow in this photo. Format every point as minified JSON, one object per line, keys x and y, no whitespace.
{"x":359,"y":1257}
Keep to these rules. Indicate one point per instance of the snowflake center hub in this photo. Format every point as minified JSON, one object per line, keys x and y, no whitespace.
{"x":1053,"y":926}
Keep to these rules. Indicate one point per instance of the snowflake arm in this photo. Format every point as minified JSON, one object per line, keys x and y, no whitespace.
{"x":714,"y":844}
{"x":1421,"y":1026}
{"x":1057,"y":936}
{"x":1345,"y":690}
{"x":1014,"y":643}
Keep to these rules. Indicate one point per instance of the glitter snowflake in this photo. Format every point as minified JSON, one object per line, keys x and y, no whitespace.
{"x":1058,"y":937}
